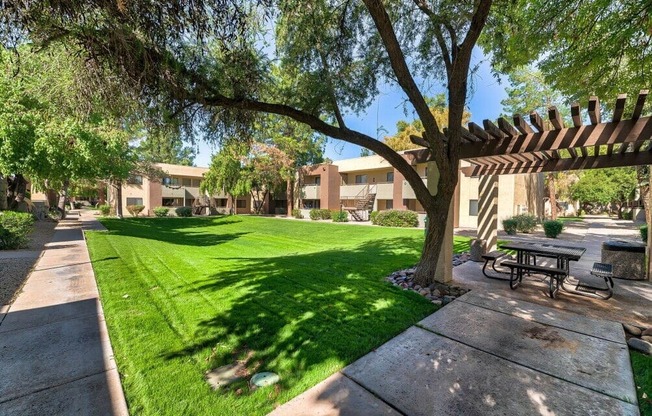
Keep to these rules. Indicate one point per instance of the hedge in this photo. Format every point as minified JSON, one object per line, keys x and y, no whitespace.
{"x":161,"y":212}
{"x":510,"y":225}
{"x":396,"y":218}
{"x":183,"y":212}
{"x":340,"y":216}
{"x":14,"y":228}
{"x":320,"y":214}
{"x":525,"y":223}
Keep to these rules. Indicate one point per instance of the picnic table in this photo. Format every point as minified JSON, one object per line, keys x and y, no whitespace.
{"x":526,"y":262}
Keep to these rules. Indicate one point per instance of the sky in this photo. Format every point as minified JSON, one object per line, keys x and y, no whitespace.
{"x":381,"y":116}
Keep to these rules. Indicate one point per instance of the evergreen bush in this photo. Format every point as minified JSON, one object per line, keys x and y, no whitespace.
{"x":161,"y":212}
{"x":510,"y":225}
{"x":553,"y":228}
{"x":14,"y":228}
{"x":296,"y":213}
{"x":643,"y":231}
{"x":183,"y":212}
{"x":525,"y":223}
{"x":397,"y":218}
{"x":340,"y":216}
{"x":372,"y":217}
{"x":105,"y":209}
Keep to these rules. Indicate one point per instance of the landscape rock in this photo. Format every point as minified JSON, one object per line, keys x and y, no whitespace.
{"x":647,"y":338}
{"x":647,"y":332}
{"x":631,"y":329}
{"x":640,"y":345}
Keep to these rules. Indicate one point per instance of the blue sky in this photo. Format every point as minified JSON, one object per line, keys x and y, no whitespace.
{"x":382,"y":115}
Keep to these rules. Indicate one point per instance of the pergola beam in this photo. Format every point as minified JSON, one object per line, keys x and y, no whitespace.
{"x":625,"y":131}
{"x":640,"y":103}
{"x":556,"y":165}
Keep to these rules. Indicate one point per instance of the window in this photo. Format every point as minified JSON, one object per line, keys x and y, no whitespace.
{"x":318,"y":180}
{"x":172,"y":202}
{"x":311,"y":203}
{"x":345,"y":178}
{"x":390,"y":176}
{"x":196,"y":183}
{"x":360,"y":178}
{"x":241,"y":203}
{"x":473,"y":207}
{"x":389,"y":204}
{"x":186,"y":182}
{"x":135,"y":180}
{"x":171,"y":181}
{"x":134,"y":201}
{"x":220,"y":202}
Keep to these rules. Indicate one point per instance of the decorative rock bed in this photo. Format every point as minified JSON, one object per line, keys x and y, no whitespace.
{"x":437,"y":293}
{"x":639,"y":338}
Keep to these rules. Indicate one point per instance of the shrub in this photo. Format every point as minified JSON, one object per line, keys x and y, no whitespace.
{"x":325,"y":214}
{"x":161,"y":212}
{"x":553,"y":228}
{"x":183,"y":212}
{"x":314,"y":214}
{"x":372,"y":217}
{"x":135,"y":210}
{"x":397,"y":218}
{"x":628,"y":215}
{"x":14,"y":228}
{"x":296,"y":213}
{"x":104,"y":209}
{"x":525,"y":223}
{"x":509,"y":225}
{"x":340,"y":216}
{"x":643,"y":231}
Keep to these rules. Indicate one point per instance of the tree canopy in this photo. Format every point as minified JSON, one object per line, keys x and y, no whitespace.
{"x":402,"y":140}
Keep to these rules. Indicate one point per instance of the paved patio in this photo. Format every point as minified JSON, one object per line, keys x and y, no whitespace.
{"x":631,"y":300}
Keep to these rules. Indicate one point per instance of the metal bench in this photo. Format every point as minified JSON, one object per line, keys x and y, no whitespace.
{"x":493,"y":257}
{"x":556,"y":275}
{"x":604,"y":271}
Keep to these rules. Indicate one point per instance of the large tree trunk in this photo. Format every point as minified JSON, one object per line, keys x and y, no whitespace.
{"x":437,"y":212}
{"x":552,"y":193}
{"x":289,"y":195}
{"x":3,"y":193}
{"x":63,"y":195}
{"x":18,"y":188}
{"x":118,"y":205}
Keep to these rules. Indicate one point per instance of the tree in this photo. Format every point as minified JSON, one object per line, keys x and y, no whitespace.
{"x":581,"y":47}
{"x":227,"y":173}
{"x":203,"y":63}
{"x":406,"y":130}
{"x":165,"y":146}
{"x":605,"y":186}
{"x":528,"y":92}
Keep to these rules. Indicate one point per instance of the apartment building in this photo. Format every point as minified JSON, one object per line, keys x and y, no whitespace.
{"x":178,"y":188}
{"x":362,"y":184}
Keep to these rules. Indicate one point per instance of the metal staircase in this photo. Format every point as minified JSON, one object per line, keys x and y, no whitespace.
{"x":364,"y":202}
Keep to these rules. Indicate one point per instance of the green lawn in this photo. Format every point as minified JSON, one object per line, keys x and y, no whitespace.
{"x":185,"y":295}
{"x":642,"y":367}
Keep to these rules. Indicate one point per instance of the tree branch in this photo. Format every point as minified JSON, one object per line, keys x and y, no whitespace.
{"x":432,"y":134}
{"x":350,"y":136}
{"x":446,"y":55}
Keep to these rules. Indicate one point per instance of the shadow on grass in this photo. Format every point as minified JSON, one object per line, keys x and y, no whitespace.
{"x":194,"y":231}
{"x":316,"y":311}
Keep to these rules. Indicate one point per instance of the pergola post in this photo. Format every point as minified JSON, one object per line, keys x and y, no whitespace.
{"x":444,"y":271}
{"x":488,"y":211}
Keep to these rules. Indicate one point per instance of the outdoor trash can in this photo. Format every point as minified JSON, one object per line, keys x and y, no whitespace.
{"x":626,"y":257}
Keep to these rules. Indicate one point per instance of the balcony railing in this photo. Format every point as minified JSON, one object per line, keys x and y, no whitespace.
{"x":310,"y":192}
{"x":408,"y":192}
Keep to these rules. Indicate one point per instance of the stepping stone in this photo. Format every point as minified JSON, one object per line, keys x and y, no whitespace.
{"x":225,"y":375}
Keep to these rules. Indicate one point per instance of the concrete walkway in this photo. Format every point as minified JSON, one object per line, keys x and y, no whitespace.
{"x":55,"y":354}
{"x":485,"y":355}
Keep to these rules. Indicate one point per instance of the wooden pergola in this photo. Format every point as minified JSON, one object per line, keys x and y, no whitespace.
{"x":539,"y":146}
{"x":552,"y":147}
